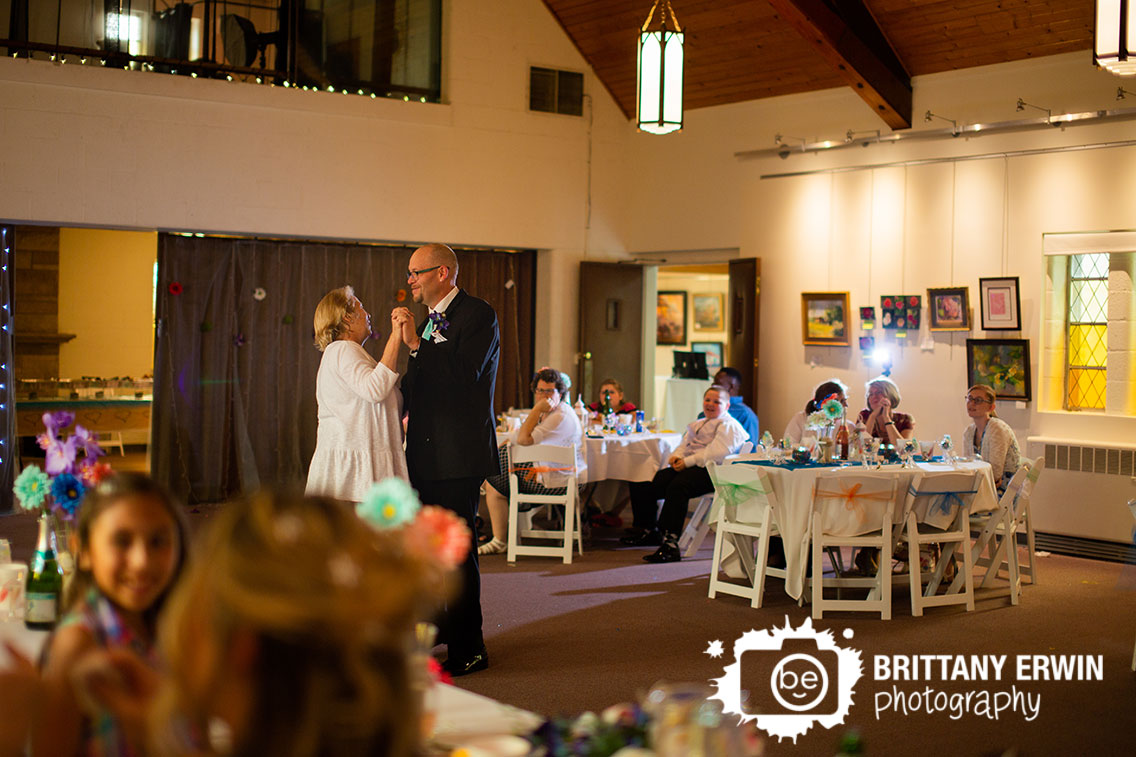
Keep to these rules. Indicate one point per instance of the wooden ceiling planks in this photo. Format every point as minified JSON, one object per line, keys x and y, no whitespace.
{"x":738,"y":50}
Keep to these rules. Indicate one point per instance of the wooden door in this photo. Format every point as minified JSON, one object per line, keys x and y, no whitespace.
{"x":744,"y":298}
{"x":611,"y":328}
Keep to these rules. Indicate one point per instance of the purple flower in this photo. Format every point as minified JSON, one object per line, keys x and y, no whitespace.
{"x":57,"y":421}
{"x":440,"y":322}
{"x":88,"y":442}
{"x":61,"y":456}
{"x":67,"y":491}
{"x":239,"y":340}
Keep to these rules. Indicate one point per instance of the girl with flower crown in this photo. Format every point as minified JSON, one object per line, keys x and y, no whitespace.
{"x":130,"y":550}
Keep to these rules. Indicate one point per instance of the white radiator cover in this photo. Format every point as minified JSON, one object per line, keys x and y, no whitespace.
{"x":1084,"y":489}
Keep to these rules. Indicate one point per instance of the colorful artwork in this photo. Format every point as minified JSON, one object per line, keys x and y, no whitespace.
{"x":708,"y":311}
{"x":1003,"y":364}
{"x":950,"y":309}
{"x":900,"y":311}
{"x":670,"y":318}
{"x":1001,"y":304}
{"x":824,"y":318}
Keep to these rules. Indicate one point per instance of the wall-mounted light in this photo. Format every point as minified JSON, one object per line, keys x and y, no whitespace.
{"x":929,"y":116}
{"x":1022,"y":105}
{"x":784,"y":150}
{"x":882,"y":357}
{"x":1114,"y":36}
{"x":658,"y":103}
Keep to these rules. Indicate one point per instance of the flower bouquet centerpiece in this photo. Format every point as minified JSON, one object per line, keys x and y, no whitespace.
{"x":824,"y":420}
{"x":58,"y":492}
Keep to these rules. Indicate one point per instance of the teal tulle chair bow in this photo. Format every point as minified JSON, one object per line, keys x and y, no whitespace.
{"x":727,"y":494}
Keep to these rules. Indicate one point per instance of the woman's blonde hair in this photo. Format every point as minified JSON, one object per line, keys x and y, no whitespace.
{"x":330,"y":312}
{"x":331,"y":606}
{"x":889,"y":388}
{"x":989,"y":392}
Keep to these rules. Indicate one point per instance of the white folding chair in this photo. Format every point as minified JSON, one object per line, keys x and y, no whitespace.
{"x":939,"y":513}
{"x":992,"y":548}
{"x":109,"y":439}
{"x":735,"y":485}
{"x":853,"y":510}
{"x":560,"y":459}
{"x":698,"y":524}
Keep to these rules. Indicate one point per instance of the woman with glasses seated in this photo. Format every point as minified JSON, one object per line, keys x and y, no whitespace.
{"x":551,"y":421}
{"x":990,"y":436}
{"x":879,"y":417}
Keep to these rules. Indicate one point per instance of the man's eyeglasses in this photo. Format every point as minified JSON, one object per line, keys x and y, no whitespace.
{"x":544,"y":392}
{"x":977,"y":400}
{"x":413,"y":274}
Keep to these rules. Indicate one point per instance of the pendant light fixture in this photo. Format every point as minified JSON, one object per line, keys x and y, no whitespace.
{"x":659,"y":97}
{"x":1114,"y":36}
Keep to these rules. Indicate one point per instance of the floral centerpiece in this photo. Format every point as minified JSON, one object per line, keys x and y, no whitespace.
{"x":61,"y":489}
{"x":830,"y":411}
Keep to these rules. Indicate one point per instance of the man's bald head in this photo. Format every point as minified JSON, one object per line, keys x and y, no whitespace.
{"x":432,"y":273}
{"x":440,"y":254}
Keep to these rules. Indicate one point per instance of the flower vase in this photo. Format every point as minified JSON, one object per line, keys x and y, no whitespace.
{"x":63,"y":533}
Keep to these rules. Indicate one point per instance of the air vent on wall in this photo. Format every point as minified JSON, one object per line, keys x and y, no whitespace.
{"x":1118,"y":462}
{"x":554,"y":91}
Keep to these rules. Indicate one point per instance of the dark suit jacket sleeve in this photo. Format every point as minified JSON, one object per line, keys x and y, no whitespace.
{"x":476,"y":353}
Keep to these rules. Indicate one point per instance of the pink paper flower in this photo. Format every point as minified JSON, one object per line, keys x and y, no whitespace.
{"x":61,"y":456}
{"x":92,"y":472}
{"x":439,"y":535}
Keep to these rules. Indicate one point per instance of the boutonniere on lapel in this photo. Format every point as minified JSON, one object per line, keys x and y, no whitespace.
{"x":436,"y":324}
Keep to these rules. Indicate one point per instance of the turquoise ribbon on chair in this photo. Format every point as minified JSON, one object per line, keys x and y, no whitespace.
{"x":728,"y":494}
{"x":947,"y":500}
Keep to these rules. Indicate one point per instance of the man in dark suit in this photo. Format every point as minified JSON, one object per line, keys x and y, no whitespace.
{"x":450,"y":442}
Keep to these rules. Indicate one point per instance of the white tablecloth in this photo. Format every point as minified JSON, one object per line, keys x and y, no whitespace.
{"x":634,"y":457}
{"x":793,"y":512}
{"x":470,"y":720}
{"x":682,"y":401}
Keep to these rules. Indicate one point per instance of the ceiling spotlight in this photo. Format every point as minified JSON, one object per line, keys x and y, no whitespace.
{"x":955,"y":131}
{"x":1121,"y":92}
{"x":1022,"y":105}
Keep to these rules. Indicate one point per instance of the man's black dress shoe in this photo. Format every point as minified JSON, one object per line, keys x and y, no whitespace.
{"x":669,"y":552}
{"x":463,"y":667}
{"x":641,"y":538}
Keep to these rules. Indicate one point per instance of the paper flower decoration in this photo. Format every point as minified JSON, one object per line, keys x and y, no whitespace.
{"x":400,"y":295}
{"x":832,"y":407}
{"x":259,"y":294}
{"x":239,"y":340}
{"x":175,"y":288}
{"x":32,"y":487}
{"x":389,"y":504}
{"x":66,"y":481}
{"x":286,"y":320}
{"x":206,"y":327}
{"x":945,"y":444}
{"x":566,"y":379}
{"x":67,"y":491}
{"x":438,"y":534}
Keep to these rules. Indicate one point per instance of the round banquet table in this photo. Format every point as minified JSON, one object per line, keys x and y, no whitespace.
{"x":634,"y":457}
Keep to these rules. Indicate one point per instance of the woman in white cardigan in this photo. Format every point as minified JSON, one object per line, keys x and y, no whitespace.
{"x":359,"y":437}
{"x":989,"y":435}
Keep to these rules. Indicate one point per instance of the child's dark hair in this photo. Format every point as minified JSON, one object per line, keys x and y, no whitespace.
{"x":105,"y":494}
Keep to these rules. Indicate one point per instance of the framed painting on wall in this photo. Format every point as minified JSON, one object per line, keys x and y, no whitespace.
{"x":1000,"y":304}
{"x":824,"y":318}
{"x":670,"y":318}
{"x":1002,"y":364}
{"x":708,"y":311}
{"x":713,"y":352}
{"x":949,"y":309}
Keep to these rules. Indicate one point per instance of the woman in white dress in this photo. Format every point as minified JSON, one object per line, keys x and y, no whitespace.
{"x":359,"y":438}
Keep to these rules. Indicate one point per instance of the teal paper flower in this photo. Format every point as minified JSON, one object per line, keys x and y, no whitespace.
{"x":32,"y":487}
{"x":389,"y":504}
{"x":832,"y":408}
{"x":67,"y":491}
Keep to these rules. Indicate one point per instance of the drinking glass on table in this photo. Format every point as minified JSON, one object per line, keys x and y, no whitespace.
{"x":926,"y":448}
{"x":907,"y":449}
{"x":871,"y":451}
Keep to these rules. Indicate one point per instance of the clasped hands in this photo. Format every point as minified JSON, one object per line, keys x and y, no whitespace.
{"x":677,"y":462}
{"x":402,"y":321}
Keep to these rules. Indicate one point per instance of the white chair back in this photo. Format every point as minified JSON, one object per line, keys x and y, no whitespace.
{"x":743,"y":509}
{"x":849,"y":504}
{"x":935,"y":498}
{"x":741,"y":492}
{"x":545,"y":458}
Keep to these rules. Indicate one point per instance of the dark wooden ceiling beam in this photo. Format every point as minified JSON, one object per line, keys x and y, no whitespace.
{"x":854,"y":45}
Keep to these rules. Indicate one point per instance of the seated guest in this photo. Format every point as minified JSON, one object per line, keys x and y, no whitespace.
{"x":990,"y":436}
{"x":617,"y":402}
{"x":796,"y":427}
{"x":731,"y":379}
{"x":708,"y":439}
{"x":879,"y":417}
{"x":551,"y":421}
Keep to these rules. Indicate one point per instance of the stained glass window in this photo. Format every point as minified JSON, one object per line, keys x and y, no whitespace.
{"x":1087,"y":332}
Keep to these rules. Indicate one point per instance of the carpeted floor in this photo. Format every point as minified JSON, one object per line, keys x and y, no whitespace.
{"x":567,"y":638}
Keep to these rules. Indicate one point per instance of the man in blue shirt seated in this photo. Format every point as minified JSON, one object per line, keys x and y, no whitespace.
{"x":731,"y":378}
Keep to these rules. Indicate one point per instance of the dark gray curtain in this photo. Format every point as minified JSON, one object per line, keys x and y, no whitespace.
{"x":8,"y":449}
{"x":234,"y":375}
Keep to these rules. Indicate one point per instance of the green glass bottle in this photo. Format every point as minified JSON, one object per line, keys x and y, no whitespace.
{"x":45,"y":581}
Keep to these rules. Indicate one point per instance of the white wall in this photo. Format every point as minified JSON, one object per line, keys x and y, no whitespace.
{"x":88,"y":146}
